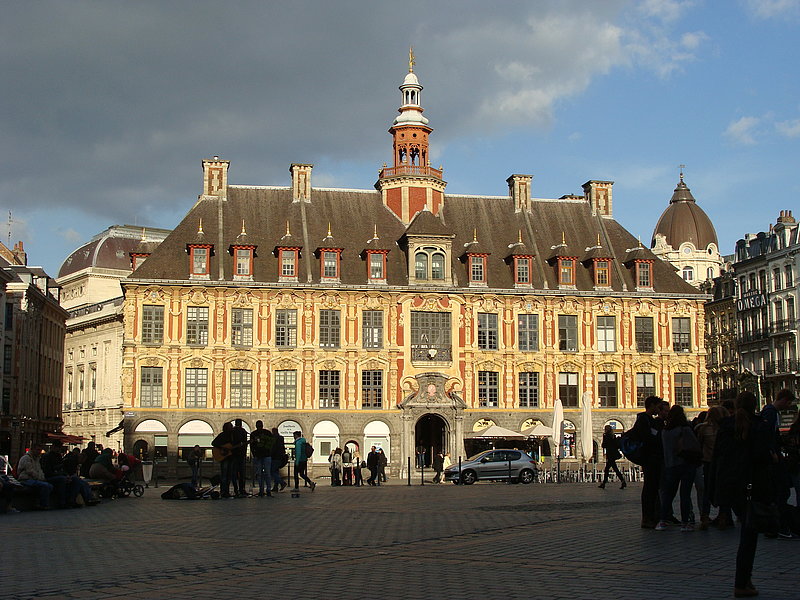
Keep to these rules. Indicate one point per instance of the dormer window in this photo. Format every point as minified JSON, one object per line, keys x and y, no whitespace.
{"x":477,"y":269}
{"x":137,"y":260}
{"x":566,"y":271}
{"x":377,"y":266}
{"x":602,"y":273}
{"x":429,"y":264}
{"x":287,"y":257}
{"x":199,"y":255}
{"x":330,"y":264}
{"x":644,"y":275}
{"x":375,"y":254}
{"x":522,"y":270}
{"x":243,"y":262}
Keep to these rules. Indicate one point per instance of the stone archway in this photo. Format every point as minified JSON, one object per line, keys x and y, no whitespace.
{"x":430,"y":433}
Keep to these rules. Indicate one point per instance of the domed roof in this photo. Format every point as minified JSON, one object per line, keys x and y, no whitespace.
{"x":111,"y":249}
{"x":684,"y":221}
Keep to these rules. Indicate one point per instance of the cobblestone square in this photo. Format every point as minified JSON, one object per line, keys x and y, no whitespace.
{"x":434,"y":541}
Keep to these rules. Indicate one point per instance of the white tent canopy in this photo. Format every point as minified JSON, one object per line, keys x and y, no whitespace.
{"x":495,"y":431}
{"x":538,"y":430}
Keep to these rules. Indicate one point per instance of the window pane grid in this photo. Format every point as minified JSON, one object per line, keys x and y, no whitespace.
{"x":681,"y":336}
{"x":285,"y":389}
{"x":568,"y":389}
{"x":329,"y":328}
{"x":152,"y":324}
{"x":487,"y":331}
{"x":606,"y":334}
{"x":286,"y":328}
{"x":607,"y":389}
{"x":196,"y":386}
{"x":568,"y":333}
{"x":644,"y":334}
{"x":197,"y":325}
{"x":528,"y":332}
{"x":150,"y":389}
{"x":372,"y":329}
{"x":488,"y":388}
{"x":645,"y":387}
{"x":683,"y":389}
{"x":241,"y":388}
{"x":329,"y":389}
{"x":528,"y":389}
{"x":372,"y":389}
{"x":242,"y":327}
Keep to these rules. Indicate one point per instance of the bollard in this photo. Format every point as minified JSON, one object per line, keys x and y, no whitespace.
{"x":409,"y":470}
{"x":422,"y":474}
{"x":459,"y":470}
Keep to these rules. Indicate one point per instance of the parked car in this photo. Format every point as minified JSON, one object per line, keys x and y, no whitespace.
{"x":493,"y":465}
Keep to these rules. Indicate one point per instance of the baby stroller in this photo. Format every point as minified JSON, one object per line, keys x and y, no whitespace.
{"x":122,"y":487}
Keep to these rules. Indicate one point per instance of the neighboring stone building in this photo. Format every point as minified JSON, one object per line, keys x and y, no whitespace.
{"x":91,"y":292}
{"x":33,"y":355}
{"x":766,"y":270}
{"x":721,"y":338}
{"x":400,"y":316}
{"x":685,"y":238}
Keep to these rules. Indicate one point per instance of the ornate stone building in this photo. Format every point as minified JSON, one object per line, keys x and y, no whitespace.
{"x":91,"y":293}
{"x":400,"y":316}
{"x":33,"y":355}
{"x":685,"y":238}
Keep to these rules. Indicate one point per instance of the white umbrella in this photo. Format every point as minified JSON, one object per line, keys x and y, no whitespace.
{"x":586,"y":427}
{"x":538,"y":430}
{"x":558,"y":427}
{"x":495,"y":431}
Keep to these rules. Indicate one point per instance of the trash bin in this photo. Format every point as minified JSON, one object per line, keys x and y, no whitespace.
{"x":147,"y":471}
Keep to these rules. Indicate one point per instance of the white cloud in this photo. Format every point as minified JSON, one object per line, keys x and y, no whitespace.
{"x":771,"y":9}
{"x":665,"y":10}
{"x":70,"y":235}
{"x":743,"y":131}
{"x":790,"y":129}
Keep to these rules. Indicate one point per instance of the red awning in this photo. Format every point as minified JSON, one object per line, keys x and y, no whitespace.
{"x":65,"y":438}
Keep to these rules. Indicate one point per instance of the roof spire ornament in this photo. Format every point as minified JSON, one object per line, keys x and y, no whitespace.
{"x":287,"y":229}
{"x":681,"y":167}
{"x":375,"y":233}
{"x":243,"y":230}
{"x":519,"y":236}
{"x":411,"y":59}
{"x":563,"y":239}
{"x":475,"y":235}
{"x":200,"y":227}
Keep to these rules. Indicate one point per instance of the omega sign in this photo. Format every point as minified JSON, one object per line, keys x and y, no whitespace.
{"x":750,"y":300}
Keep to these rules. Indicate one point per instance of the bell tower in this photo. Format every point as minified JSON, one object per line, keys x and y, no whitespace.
{"x":411,"y":184}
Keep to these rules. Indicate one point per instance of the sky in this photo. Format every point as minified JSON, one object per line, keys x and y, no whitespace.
{"x":108,"y":108}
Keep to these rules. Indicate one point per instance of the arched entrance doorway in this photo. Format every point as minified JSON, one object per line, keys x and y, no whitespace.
{"x":430,"y":433}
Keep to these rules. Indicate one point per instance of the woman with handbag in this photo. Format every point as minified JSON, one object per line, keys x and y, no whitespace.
{"x":681,"y":457}
{"x":742,"y":477}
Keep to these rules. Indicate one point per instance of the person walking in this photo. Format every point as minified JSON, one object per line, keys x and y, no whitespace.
{"x":681,"y":456}
{"x":741,"y":469}
{"x":611,"y":447}
{"x":261,"y":441}
{"x":781,"y":478}
{"x":358,"y":464}
{"x":239,"y":456}
{"x":223,"y":444}
{"x":706,"y":433}
{"x":301,"y":462}
{"x":279,"y":460}
{"x":447,"y":461}
{"x":336,"y":467}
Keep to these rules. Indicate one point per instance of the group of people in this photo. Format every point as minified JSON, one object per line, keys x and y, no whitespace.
{"x":732,"y":455}
{"x":345,"y":466}
{"x":57,"y":477}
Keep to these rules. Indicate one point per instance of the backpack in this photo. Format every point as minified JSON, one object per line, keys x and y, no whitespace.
{"x":632,"y":448}
{"x":309,"y":450}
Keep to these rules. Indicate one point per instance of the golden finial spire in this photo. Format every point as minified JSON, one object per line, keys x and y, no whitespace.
{"x":287,"y":228}
{"x":639,"y":237}
{"x":475,"y":235}
{"x":519,"y":237}
{"x":329,"y":229}
{"x":243,"y":230}
{"x":375,"y":233}
{"x":200,"y":228}
{"x":598,"y":240}
{"x":144,"y":233}
{"x":563,"y":239}
{"x":681,"y":167}
{"x":411,"y":61}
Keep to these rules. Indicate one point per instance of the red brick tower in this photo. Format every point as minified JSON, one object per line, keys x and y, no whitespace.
{"x":411,"y":184}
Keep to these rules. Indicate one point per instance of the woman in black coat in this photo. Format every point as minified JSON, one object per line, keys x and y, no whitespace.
{"x":742,"y":459}
{"x":611,"y":446}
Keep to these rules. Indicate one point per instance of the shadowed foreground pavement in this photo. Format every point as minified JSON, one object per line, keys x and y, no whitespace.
{"x":483,"y":541}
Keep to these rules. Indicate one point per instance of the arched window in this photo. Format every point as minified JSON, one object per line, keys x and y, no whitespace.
{"x":688,"y":274}
{"x":421,"y":265}
{"x":710,"y":273}
{"x":437,"y":266}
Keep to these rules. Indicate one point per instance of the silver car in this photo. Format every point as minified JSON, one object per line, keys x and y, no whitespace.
{"x":494,"y":465}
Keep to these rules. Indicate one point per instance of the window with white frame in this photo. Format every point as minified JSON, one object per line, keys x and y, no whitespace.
{"x":488,"y":388}
{"x":329,"y":389}
{"x":568,"y":333}
{"x":683,"y":389}
{"x":606,"y":334}
{"x":197,"y":325}
{"x":151,"y":385}
{"x":681,"y":334}
{"x":196,"y":388}
{"x":152,"y":324}
{"x":286,"y":328}
{"x":607,"y":389}
{"x":529,"y":389}
{"x":285,"y":388}
{"x":241,"y":388}
{"x":487,"y":331}
{"x":242,"y":327}
{"x":329,"y":324}
{"x":372,"y":389}
{"x":372,"y":329}
{"x":568,"y":389}
{"x":645,"y":387}
{"x":528,"y":332}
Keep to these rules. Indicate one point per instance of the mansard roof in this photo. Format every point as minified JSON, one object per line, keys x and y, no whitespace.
{"x":353,"y":215}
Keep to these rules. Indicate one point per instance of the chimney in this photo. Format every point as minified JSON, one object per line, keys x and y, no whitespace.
{"x":215,"y":177}
{"x":301,"y":182}
{"x":519,"y":188}
{"x":20,"y":257}
{"x":598,"y":194}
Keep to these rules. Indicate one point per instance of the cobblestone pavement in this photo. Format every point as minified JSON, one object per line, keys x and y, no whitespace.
{"x":482,"y":541}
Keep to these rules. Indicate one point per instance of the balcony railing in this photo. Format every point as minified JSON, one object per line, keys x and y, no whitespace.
{"x":432,"y":354}
{"x":786,"y":365}
{"x":417,"y":170}
{"x":783,"y":326}
{"x":755,"y":335}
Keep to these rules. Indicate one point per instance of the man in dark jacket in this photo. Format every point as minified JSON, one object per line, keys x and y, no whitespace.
{"x":646,"y":430}
{"x":373,"y":460}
